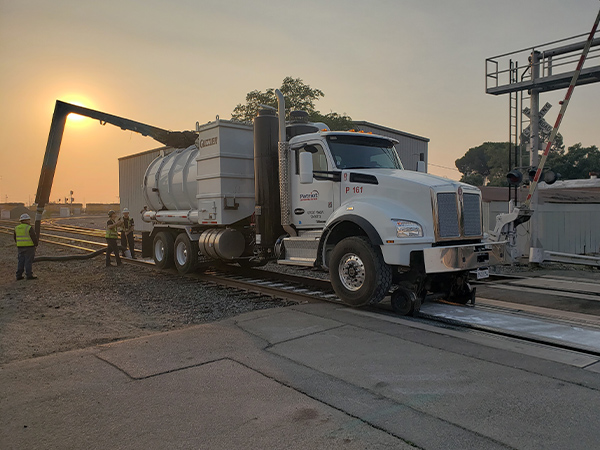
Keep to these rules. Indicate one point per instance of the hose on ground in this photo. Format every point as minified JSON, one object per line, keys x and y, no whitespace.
{"x":69,"y":257}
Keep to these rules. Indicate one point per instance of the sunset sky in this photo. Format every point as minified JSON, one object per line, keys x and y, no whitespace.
{"x":413,"y":65}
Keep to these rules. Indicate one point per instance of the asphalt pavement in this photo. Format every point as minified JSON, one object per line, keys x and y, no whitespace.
{"x":313,"y":376}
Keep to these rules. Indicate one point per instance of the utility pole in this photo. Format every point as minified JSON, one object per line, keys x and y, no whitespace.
{"x":536,"y":252}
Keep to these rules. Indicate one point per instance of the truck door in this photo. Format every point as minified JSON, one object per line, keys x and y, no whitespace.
{"x":313,"y":203}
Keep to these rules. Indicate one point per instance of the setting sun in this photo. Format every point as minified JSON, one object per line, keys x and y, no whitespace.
{"x":76,"y":119}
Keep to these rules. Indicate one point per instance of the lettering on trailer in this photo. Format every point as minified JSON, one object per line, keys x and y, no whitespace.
{"x":207,"y":142}
{"x":545,"y":127}
{"x":314,"y":195}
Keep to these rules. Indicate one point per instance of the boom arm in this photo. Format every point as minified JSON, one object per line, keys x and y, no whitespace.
{"x":59,"y":118}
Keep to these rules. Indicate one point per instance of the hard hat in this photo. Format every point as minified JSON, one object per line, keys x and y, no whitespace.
{"x":24,"y":217}
{"x":111,"y":212}
{"x":125,"y":210}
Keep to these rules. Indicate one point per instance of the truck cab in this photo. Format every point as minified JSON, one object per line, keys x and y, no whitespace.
{"x":358,"y":213}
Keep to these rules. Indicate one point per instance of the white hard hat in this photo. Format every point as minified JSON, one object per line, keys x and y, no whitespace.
{"x":24,"y":217}
{"x":125,"y":210}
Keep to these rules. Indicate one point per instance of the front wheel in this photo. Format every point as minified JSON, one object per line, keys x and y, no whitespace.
{"x":186,"y":254}
{"x":358,"y":273}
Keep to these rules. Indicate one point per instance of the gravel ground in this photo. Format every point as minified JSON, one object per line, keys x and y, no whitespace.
{"x":77,"y":304}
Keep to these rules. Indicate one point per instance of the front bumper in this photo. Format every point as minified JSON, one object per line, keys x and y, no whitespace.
{"x":464,"y":257}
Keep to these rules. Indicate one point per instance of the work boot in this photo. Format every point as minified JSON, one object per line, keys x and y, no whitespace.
{"x":32,"y":277}
{"x":20,"y":277}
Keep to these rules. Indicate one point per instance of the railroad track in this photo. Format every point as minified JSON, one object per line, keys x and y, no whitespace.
{"x":309,"y":289}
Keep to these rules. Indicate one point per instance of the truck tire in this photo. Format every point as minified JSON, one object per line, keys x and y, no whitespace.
{"x":358,"y":273}
{"x":185,"y":254}
{"x":162,"y":250}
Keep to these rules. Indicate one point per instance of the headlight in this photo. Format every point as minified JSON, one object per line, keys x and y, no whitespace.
{"x":406,"y":228}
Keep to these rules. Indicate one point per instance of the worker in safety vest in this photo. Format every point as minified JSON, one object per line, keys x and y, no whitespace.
{"x":27,"y":241}
{"x":112,"y":234}
{"x":127,"y":234}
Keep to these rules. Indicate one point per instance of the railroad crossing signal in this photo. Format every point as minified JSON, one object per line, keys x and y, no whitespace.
{"x":545,"y":127}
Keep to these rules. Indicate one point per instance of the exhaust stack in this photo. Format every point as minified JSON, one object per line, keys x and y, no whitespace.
{"x":266,"y":184}
{"x":284,"y":175}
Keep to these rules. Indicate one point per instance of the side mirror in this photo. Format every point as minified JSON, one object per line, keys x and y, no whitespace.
{"x":306,"y":168}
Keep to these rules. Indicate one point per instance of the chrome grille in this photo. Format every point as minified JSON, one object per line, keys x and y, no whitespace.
{"x":471,"y":215}
{"x":447,"y":215}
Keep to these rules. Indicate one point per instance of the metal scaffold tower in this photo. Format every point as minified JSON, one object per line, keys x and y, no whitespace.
{"x":552,"y":66}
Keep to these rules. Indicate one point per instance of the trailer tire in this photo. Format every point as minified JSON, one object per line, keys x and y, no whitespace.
{"x":162,"y":250}
{"x":358,"y":273}
{"x":185,"y":254}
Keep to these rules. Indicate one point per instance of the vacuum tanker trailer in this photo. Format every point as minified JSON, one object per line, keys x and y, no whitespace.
{"x":301,"y":194}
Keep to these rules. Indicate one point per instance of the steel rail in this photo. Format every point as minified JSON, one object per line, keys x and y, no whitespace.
{"x":506,"y":333}
{"x":293,"y":288}
{"x":67,"y":238}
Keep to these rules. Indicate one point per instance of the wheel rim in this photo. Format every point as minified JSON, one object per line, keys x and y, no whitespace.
{"x":159,"y":250}
{"x":352,"y":272}
{"x":181,"y":254}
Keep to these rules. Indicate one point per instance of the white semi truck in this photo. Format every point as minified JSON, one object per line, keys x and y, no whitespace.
{"x":300,"y":194}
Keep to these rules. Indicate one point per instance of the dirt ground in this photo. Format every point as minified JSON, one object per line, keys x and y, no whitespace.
{"x":77,"y":304}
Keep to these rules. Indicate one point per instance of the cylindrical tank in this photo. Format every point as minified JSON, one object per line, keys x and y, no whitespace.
{"x":266,"y":178}
{"x":170,"y":181}
{"x":222,"y":243}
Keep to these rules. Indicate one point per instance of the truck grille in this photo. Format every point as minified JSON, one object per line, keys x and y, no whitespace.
{"x":447,"y":215}
{"x":458,"y":219}
{"x":471,"y":215}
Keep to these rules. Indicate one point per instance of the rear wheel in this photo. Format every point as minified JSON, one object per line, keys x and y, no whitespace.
{"x":186,"y":254}
{"x":163,"y":247}
{"x":358,"y":273}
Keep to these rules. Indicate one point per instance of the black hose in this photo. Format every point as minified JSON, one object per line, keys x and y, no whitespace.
{"x":70,"y":257}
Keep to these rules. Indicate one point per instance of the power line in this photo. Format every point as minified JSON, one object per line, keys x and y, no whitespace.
{"x":443,"y":167}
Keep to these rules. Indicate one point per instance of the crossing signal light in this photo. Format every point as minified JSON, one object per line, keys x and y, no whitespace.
{"x":514,"y":177}
{"x":550,"y":177}
{"x":532,"y":173}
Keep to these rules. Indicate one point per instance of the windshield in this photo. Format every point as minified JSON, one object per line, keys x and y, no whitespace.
{"x":362,"y":152}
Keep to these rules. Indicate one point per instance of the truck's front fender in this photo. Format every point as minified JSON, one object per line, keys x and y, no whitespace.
{"x":370,"y":217}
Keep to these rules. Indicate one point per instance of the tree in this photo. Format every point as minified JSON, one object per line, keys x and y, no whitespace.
{"x":575,"y":163}
{"x":485,"y":165}
{"x":298,"y":96}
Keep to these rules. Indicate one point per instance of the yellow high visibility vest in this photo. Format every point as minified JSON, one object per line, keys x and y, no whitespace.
{"x":22,"y":234}
{"x":111,"y":233}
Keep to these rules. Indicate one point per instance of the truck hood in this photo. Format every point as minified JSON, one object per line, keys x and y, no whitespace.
{"x":397,"y":194}
{"x":412,"y":177}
